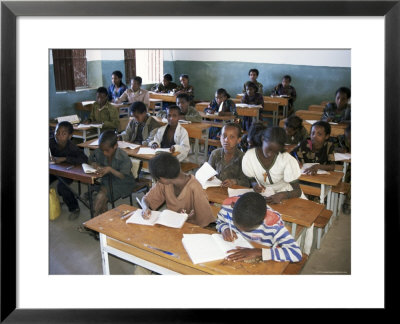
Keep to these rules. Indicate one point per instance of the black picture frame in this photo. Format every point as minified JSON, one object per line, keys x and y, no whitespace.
{"x":11,"y":10}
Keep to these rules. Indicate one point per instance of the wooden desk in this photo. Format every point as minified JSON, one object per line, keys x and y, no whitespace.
{"x":326,"y":181}
{"x":223,"y":119}
{"x":163,"y":96}
{"x":249,"y":112}
{"x":76,"y":173}
{"x":283,"y":101}
{"x":200,"y":106}
{"x":219,"y":194}
{"x":127,"y":241}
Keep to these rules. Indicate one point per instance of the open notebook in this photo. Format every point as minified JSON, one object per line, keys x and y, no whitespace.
{"x":210,"y":247}
{"x":167,"y":218}
{"x":88,"y":168}
{"x":205,"y":173}
{"x":89,"y":125}
{"x":149,"y":150}
{"x":307,"y":165}
{"x":73,"y":119}
{"x":342,"y":156}
{"x":268,"y":191}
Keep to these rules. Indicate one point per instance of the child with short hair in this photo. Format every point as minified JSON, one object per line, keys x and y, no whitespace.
{"x":317,"y":149}
{"x":340,"y":110}
{"x":142,"y":128}
{"x":251,"y":218}
{"x":172,"y":135}
{"x":185,"y":87}
{"x":180,"y":191}
{"x":253,"y":75}
{"x":135,"y":93}
{"x":253,"y":137}
{"x":285,"y":89}
{"x":114,"y":166}
{"x":103,"y":112}
{"x":166,"y":85}
{"x":295,"y":131}
{"x":251,"y":97}
{"x":188,"y":112}
{"x":343,"y":144}
{"x":63,"y":150}
{"x":117,"y":87}
{"x":227,"y":161}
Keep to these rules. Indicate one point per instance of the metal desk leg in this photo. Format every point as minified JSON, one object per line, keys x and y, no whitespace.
{"x":206,"y":144}
{"x":294,"y":226}
{"x":322,"y":196}
{"x":90,"y":191}
{"x":104,"y":254}
{"x":196,"y":150}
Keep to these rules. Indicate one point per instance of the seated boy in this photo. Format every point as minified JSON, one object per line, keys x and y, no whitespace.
{"x":63,"y":150}
{"x":227,"y":161}
{"x":188,"y":112}
{"x":114,"y":165}
{"x":295,"y":131}
{"x":340,"y":110}
{"x":180,"y":191}
{"x":185,"y":87}
{"x":285,"y":89}
{"x":172,"y":135}
{"x":251,"y":218}
{"x":135,"y":93}
{"x":317,"y":149}
{"x":103,"y":112}
{"x":142,"y":128}
{"x":253,"y":75}
{"x":166,"y":85}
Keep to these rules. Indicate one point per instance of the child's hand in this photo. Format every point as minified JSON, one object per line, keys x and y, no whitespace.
{"x":312,"y":170}
{"x":228,"y":183}
{"x":274,"y":199}
{"x":85,"y":122}
{"x":154,"y":145}
{"x":59,"y":159}
{"x":104,"y":170}
{"x":226,"y":235}
{"x":172,"y":149}
{"x":258,"y":188}
{"x":146,"y":213}
{"x":241,"y":254}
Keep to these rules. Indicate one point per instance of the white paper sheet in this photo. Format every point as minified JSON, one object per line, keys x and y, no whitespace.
{"x":73,"y":119}
{"x":88,"y":168}
{"x":307,"y":165}
{"x":342,"y":156}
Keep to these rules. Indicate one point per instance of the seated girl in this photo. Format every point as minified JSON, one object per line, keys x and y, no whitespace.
{"x":180,"y":191}
{"x":135,"y":93}
{"x":295,"y":131}
{"x":172,"y":135}
{"x":117,"y":87}
{"x":227,"y":161}
{"x":251,"y":97}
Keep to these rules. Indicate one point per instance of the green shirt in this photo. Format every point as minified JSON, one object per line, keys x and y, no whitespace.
{"x":108,"y":115}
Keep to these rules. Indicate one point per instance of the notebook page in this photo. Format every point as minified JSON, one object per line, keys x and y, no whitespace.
{"x":214,"y":182}
{"x":202,"y":248}
{"x":237,"y":192}
{"x":123,"y":144}
{"x":137,"y":218}
{"x":73,"y":119}
{"x":204,"y":173}
{"x":172,"y":219}
{"x":88,"y":168}
{"x":342,"y":156}
{"x":307,"y":165}
{"x":146,"y":150}
{"x":226,"y":246}
{"x":163,"y":150}
{"x":94,"y":143}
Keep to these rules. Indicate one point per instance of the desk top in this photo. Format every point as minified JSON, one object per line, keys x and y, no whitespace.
{"x":130,"y":152}
{"x":194,"y":129}
{"x":163,"y":96}
{"x":331,"y":179}
{"x":219,"y":194}
{"x":223,"y":118}
{"x":132,"y":238}
{"x":299,"y":211}
{"x":76,"y":173}
{"x":75,"y":126}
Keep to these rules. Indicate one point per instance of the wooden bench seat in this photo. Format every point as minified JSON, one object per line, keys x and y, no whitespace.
{"x":322,"y":223}
{"x":189,"y":166}
{"x":295,"y":267}
{"x":342,"y":188}
{"x":310,"y":190}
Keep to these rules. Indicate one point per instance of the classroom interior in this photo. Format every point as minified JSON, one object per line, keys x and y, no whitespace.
{"x":316,"y":74}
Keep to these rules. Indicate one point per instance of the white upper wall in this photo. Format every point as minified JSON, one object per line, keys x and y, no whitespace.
{"x":99,"y":55}
{"x":336,"y":58}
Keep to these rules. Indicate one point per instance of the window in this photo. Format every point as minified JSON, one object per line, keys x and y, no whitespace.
{"x":149,"y":65}
{"x":70,"y":69}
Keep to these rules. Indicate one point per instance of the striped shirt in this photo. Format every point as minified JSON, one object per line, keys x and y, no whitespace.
{"x":271,"y":233}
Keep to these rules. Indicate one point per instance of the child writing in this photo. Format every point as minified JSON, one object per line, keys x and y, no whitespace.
{"x":253,"y":137}
{"x":270,"y":166}
{"x":251,"y":97}
{"x":114,"y":166}
{"x":180,"y":191}
{"x":103,"y":112}
{"x":142,"y":128}
{"x":317,"y":149}
{"x":253,"y":75}
{"x":295,"y":131}
{"x":251,"y":218}
{"x":63,"y":150}
{"x":166,"y":85}
{"x":172,"y":135}
{"x":340,"y":110}
{"x":285,"y":89}
{"x":117,"y":87}
{"x":135,"y":93}
{"x":185,"y":87}
{"x":227,"y":161}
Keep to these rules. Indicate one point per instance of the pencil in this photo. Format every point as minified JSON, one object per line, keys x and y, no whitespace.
{"x":230,"y":228}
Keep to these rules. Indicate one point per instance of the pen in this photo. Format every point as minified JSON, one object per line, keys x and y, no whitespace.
{"x":163,"y":251}
{"x":127,"y":215}
{"x":69,"y":168}
{"x":230,"y":228}
{"x":140,"y":204}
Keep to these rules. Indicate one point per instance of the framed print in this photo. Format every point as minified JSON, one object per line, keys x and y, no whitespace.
{"x":17,"y":15}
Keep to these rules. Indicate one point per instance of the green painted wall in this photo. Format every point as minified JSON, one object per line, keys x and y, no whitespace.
{"x":313,"y":83}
